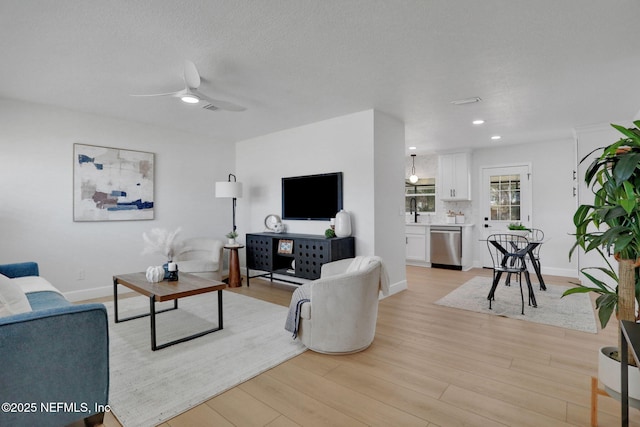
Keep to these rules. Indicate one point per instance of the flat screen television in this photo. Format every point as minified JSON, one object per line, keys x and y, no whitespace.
{"x":312,"y":197}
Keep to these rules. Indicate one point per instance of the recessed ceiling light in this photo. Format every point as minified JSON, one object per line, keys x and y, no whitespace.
{"x":466,"y":101}
{"x":478,"y":122}
{"x":413,"y":148}
{"x":496,"y":137}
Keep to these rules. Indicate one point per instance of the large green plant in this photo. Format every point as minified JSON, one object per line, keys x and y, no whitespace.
{"x":615,"y":178}
{"x":612,"y":225}
{"x":607,"y":300}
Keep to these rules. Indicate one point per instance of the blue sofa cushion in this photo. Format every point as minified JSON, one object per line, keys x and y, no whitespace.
{"x":20,"y":269}
{"x":46,"y":299}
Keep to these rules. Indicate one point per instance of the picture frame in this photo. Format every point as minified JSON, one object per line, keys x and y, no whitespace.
{"x":285,"y":246}
{"x":112,"y":184}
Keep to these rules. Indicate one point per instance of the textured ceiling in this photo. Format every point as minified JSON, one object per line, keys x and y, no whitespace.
{"x":542,"y":68}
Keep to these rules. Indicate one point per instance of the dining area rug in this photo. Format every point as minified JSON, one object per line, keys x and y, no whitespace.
{"x":571,"y":312}
{"x":149,"y":387}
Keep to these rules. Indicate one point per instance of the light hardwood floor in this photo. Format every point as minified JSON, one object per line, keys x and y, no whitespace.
{"x":428,"y":366}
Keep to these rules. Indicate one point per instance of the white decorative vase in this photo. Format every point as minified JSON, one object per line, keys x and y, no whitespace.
{"x":231,"y":242}
{"x":609,"y":375}
{"x":155,"y":274}
{"x":343,"y":224}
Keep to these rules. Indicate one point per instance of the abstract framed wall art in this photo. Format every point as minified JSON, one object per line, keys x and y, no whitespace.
{"x":112,"y":184}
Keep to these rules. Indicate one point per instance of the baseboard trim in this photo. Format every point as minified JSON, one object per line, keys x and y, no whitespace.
{"x":397,"y":287}
{"x":87,"y":294}
{"x":567,"y":272}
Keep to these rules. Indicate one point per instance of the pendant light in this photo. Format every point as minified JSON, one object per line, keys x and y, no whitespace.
{"x":413,"y":178}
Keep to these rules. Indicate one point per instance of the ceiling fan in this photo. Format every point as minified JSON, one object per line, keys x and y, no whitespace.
{"x":191,"y":95}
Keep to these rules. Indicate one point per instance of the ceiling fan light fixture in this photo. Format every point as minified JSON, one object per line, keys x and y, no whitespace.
{"x":190,"y":94}
{"x":190,"y":99}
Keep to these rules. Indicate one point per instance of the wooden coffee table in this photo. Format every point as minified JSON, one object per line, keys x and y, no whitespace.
{"x":187,"y":285}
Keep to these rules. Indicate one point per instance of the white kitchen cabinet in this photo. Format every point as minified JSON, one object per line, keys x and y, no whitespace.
{"x":416,"y":247}
{"x":416,"y":237}
{"x":454,"y":178}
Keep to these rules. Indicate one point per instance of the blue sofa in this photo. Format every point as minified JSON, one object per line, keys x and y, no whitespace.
{"x":54,"y":360}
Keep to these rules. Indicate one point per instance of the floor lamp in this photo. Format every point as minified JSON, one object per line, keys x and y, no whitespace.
{"x":231,"y":189}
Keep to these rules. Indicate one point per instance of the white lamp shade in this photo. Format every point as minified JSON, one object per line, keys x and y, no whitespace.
{"x":229,"y":189}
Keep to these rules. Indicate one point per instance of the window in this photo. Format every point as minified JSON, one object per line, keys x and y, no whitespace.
{"x":424,"y":192}
{"x":505,"y":198}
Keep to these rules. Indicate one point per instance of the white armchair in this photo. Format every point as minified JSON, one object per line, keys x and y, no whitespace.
{"x":343,"y":308}
{"x":201,"y":256}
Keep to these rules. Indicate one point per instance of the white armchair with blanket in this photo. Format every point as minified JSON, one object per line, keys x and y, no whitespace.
{"x":201,"y":256}
{"x":337,"y":313}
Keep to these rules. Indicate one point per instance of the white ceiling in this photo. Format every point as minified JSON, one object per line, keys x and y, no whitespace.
{"x":542,"y":68}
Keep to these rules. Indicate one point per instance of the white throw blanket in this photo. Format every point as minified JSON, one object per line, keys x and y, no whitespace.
{"x":30,"y":284}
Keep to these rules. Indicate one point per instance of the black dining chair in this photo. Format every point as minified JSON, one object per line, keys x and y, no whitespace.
{"x":508,"y":255}
{"x":536,"y":235}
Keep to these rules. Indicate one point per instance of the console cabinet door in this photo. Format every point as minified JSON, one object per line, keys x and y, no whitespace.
{"x":259,"y":252}
{"x":309,"y":257}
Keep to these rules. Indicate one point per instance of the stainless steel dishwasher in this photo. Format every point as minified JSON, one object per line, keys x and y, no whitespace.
{"x":446,"y":247}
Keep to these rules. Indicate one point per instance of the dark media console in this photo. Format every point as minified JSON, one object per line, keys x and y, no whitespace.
{"x":294,"y":255}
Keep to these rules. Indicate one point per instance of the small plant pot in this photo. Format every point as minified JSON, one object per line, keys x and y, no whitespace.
{"x":231,"y":241}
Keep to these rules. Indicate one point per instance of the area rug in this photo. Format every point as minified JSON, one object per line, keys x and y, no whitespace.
{"x":149,"y":387}
{"x":571,"y":312}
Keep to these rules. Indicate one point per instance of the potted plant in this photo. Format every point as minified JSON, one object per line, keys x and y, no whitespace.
{"x":329,"y":233}
{"x":611,"y":225}
{"x":232,"y":237}
{"x":163,"y":242}
{"x":518,"y":228}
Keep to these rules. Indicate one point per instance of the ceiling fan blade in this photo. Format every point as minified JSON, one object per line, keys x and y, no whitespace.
{"x":191,"y":75}
{"x":219,"y":104}
{"x":163,"y":94}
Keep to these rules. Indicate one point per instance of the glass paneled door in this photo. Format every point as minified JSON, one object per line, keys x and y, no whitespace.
{"x":506,"y":198}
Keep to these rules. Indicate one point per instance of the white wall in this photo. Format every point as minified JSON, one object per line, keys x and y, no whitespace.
{"x":389,"y":194}
{"x":36,"y":171}
{"x":344,"y":144}
{"x":552,"y":163}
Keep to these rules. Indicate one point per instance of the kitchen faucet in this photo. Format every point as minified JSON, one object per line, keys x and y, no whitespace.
{"x":413,"y":208}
